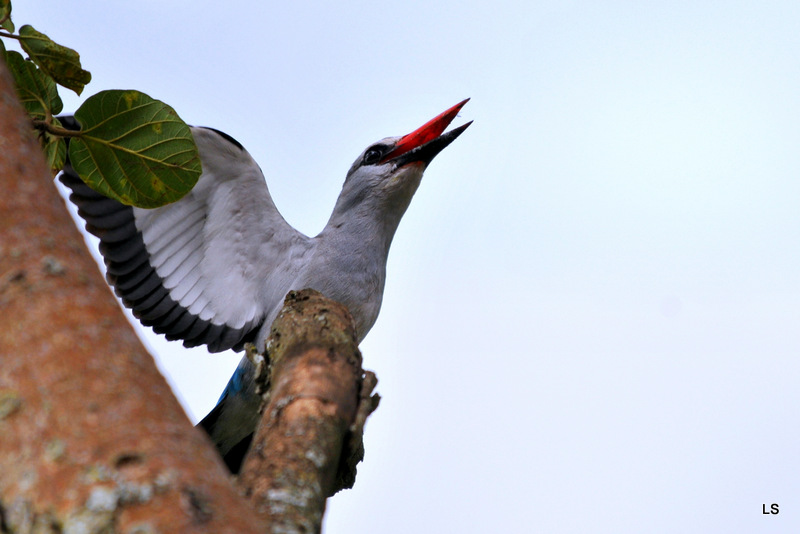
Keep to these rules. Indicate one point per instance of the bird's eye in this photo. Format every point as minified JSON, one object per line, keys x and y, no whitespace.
{"x":373,"y":156}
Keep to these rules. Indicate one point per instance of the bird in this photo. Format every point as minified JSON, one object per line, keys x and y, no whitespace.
{"x":213,"y":268}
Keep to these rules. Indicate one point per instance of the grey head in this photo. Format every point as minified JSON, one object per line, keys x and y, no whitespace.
{"x":385,"y":176}
{"x":350,"y":253}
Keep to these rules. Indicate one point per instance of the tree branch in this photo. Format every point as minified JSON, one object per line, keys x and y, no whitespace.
{"x":314,"y":415}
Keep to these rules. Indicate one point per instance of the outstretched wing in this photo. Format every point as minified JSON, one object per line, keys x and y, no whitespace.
{"x":208,"y":268}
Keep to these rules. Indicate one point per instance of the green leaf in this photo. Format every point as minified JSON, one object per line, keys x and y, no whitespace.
{"x":36,"y":90}
{"x":55,"y":149}
{"x":134,"y":149}
{"x":61,"y":63}
{"x":5,"y":16}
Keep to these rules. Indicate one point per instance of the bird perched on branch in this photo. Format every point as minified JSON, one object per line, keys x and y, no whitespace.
{"x":214,"y":267}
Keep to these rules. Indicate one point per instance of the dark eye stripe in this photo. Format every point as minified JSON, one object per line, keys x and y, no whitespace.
{"x":374,"y":154}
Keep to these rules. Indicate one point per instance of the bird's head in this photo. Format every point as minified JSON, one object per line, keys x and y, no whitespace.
{"x":386,"y":175}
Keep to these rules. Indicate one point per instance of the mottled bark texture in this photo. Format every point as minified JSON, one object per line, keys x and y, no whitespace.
{"x":91,"y":437}
{"x":309,"y":438}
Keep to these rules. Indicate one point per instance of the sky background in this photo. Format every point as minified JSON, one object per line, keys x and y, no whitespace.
{"x":591,"y":320}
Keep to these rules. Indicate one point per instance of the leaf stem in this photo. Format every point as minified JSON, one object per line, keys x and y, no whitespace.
{"x":9,"y":35}
{"x":55,"y":130}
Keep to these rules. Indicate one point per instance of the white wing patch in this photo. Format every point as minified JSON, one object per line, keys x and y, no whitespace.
{"x":207,"y":268}
{"x":208,"y":247}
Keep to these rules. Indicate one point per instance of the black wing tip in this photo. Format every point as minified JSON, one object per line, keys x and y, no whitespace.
{"x":225,"y":136}
{"x":135,"y":280}
{"x":69,"y":122}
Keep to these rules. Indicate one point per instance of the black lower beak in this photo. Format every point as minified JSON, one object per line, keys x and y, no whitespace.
{"x":428,"y":151}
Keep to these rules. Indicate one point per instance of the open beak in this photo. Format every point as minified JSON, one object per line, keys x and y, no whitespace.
{"x":426,"y":141}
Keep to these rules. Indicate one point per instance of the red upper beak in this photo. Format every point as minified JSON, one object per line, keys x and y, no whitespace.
{"x":425,"y":133}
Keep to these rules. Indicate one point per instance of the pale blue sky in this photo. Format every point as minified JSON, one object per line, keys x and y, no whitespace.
{"x":592,"y":314}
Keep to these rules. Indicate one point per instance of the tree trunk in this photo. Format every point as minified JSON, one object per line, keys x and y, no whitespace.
{"x":91,"y":437}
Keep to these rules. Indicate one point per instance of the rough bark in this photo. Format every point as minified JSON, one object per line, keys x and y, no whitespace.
{"x":309,"y":438}
{"x":91,"y":437}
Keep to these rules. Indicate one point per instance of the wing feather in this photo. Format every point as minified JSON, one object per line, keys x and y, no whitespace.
{"x":159,"y":233}
{"x":121,"y":268}
{"x":209,"y":268}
